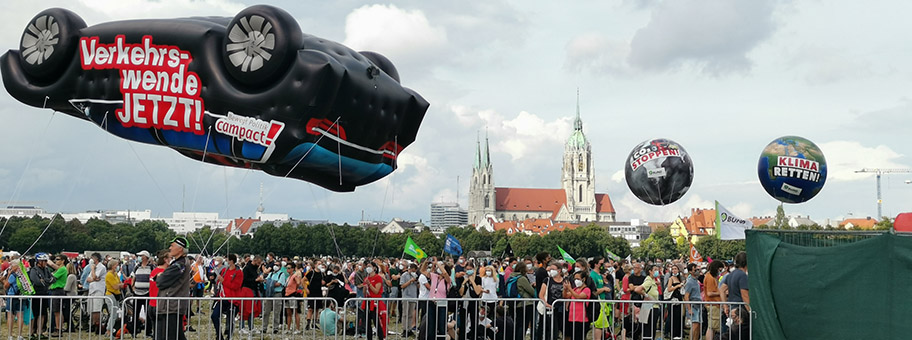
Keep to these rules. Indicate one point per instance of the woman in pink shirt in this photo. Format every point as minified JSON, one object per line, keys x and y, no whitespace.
{"x":576,"y":316}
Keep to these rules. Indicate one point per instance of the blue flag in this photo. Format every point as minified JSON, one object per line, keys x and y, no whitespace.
{"x":452,"y":246}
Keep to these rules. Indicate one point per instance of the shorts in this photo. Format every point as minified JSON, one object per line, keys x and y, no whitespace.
{"x":96,"y":301}
{"x":40,"y":306}
{"x":14,"y":304}
{"x":293,"y":302}
{"x":696,"y":313}
{"x":57,"y":303}
{"x":394,"y":292}
{"x":715,"y":317}
{"x":315,"y":304}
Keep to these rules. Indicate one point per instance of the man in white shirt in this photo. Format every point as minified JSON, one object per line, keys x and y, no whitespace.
{"x":96,"y":282}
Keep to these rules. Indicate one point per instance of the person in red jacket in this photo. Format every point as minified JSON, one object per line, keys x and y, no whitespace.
{"x":228,"y":284}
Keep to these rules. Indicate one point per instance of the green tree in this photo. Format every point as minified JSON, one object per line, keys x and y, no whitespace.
{"x":780,"y":222}
{"x":659,"y":245}
{"x":884,"y":224}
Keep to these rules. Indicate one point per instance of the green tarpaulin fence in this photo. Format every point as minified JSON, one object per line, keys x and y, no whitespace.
{"x":829,"y":285}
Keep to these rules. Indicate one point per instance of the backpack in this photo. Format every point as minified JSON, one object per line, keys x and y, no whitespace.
{"x":512,"y":291}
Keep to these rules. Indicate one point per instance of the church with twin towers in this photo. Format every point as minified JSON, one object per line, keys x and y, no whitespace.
{"x":575,"y":202}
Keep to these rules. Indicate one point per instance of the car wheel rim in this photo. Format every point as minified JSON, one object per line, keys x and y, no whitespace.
{"x":251,"y":43}
{"x":39,"y":39}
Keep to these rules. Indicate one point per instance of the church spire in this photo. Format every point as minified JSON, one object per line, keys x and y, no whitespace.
{"x":578,"y":122}
{"x":477,"y":151}
{"x":487,"y":151}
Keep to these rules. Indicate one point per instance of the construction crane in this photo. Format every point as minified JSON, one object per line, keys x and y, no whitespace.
{"x":877,"y":173}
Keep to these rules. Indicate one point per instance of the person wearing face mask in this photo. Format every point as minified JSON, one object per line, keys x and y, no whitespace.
{"x":359,"y":276}
{"x":314,"y":290}
{"x":650,"y":292}
{"x":739,"y":324}
{"x":521,"y":311}
{"x":470,"y":289}
{"x":552,"y":290}
{"x":395,"y":273}
{"x":274,"y":287}
{"x":229,"y":282}
{"x":577,"y":318}
{"x":489,"y":284}
{"x":408,"y":283}
{"x":694,"y":311}
{"x":334,"y":281}
{"x":674,"y":291}
{"x":374,"y":290}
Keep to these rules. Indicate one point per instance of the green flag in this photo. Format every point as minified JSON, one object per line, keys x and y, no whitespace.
{"x":566,"y":256}
{"x":612,"y":255}
{"x":412,"y":249}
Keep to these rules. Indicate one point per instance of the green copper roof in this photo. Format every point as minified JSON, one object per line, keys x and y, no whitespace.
{"x":577,"y":139}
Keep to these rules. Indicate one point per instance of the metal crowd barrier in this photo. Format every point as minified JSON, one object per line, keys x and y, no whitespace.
{"x":226,"y":318}
{"x":72,"y":317}
{"x":514,"y":319}
{"x":58,"y":316}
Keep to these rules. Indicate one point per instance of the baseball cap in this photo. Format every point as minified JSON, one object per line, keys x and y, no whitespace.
{"x":180,"y":240}
{"x":143,"y":253}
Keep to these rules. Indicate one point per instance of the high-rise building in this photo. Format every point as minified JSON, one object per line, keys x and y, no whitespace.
{"x":445,"y":215}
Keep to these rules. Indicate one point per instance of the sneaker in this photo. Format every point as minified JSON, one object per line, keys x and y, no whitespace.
{"x":296,"y":333}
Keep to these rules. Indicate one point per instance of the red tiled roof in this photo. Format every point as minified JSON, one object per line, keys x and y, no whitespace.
{"x":550,"y":200}
{"x":758,"y":221}
{"x":700,"y":221}
{"x":529,"y":199}
{"x":864,"y":223}
{"x":603,"y":203}
{"x":653,"y":226}
{"x":536,"y":226}
{"x":243,"y":224}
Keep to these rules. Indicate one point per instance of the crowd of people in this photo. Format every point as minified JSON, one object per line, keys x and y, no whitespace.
{"x":458,"y":298}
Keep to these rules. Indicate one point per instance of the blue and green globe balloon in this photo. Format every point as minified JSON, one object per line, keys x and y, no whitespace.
{"x":792,"y":169}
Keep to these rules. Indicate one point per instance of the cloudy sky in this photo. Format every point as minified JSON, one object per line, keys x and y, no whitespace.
{"x":721,"y":77}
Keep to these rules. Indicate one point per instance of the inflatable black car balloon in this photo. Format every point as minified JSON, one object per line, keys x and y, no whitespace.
{"x":251,"y":91}
{"x":658,"y":171}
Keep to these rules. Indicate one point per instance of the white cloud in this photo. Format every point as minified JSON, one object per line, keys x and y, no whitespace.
{"x":520,"y":136}
{"x":596,"y":53}
{"x":714,"y":35}
{"x":619,"y":176}
{"x":742,"y":210}
{"x":402,"y":35}
{"x":845,"y":157}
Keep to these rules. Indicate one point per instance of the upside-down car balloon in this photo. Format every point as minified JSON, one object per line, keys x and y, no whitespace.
{"x":792,"y":169}
{"x":251,"y":91}
{"x":658,"y":171}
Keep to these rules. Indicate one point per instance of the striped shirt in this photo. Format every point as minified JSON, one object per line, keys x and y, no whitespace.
{"x":141,"y":280}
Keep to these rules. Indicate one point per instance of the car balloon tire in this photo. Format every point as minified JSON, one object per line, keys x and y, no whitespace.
{"x":49,"y":42}
{"x":259,"y":44}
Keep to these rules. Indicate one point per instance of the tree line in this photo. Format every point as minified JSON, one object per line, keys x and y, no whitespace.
{"x":344,"y":240}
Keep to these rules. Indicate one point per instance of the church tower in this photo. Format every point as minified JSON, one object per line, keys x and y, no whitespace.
{"x":578,"y":173}
{"x":481,"y":189}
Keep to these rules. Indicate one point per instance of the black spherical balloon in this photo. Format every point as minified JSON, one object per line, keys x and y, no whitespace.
{"x":658,"y":171}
